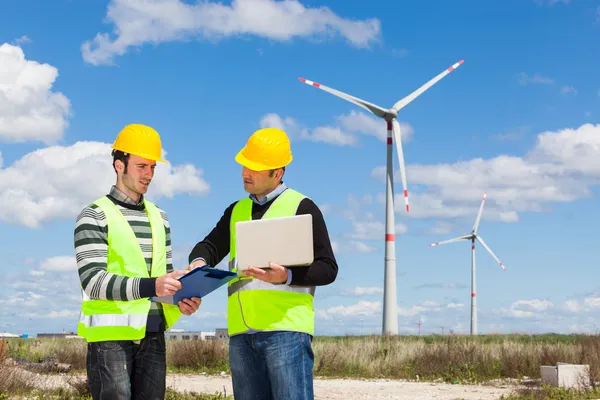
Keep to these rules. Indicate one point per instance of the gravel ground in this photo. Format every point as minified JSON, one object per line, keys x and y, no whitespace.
{"x":337,"y":389}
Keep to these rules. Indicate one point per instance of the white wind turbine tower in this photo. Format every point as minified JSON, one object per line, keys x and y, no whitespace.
{"x":390,"y":301}
{"x":472,"y":237}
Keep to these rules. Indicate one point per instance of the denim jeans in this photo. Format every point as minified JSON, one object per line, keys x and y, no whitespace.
{"x":125,"y":370}
{"x":272,"y":366}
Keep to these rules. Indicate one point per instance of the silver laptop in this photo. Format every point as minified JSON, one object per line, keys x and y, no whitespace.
{"x":286,"y":241}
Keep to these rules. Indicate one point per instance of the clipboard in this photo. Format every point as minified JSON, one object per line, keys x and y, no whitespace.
{"x":197,"y":283}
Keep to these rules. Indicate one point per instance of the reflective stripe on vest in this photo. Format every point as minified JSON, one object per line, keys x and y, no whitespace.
{"x":261,"y":306}
{"x":102,"y":320}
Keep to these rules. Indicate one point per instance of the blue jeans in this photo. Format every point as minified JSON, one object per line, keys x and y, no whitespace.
{"x":125,"y":370}
{"x":272,"y":366}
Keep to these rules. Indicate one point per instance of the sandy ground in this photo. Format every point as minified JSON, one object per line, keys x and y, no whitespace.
{"x":335,"y":389}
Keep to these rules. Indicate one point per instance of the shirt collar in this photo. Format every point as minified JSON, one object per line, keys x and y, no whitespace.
{"x":278,"y":190}
{"x":123,"y":198}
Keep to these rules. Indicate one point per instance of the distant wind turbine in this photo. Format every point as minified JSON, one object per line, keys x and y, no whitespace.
{"x":390,"y":301}
{"x":472,"y":237}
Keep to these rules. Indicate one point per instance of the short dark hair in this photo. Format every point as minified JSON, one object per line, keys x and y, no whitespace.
{"x":271,"y":172}
{"x":121,"y":156}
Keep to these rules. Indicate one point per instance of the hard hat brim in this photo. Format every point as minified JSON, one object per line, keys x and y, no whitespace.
{"x":255,"y":166}
{"x":143,"y":155}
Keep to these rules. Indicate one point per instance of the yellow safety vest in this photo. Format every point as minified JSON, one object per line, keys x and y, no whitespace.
{"x":260,"y":306}
{"x":102,"y":320}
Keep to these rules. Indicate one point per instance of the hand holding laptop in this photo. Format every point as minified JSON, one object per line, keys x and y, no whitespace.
{"x":274,"y":274}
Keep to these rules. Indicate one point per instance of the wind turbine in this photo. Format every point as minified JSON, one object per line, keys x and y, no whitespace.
{"x":472,"y":237}
{"x":390,"y":301}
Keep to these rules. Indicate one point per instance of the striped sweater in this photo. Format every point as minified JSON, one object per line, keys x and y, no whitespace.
{"x":91,"y":251}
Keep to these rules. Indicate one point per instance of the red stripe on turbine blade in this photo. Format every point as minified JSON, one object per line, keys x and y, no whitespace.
{"x":472,"y":294}
{"x":389,"y":237}
{"x":302,"y":80}
{"x":316,"y":84}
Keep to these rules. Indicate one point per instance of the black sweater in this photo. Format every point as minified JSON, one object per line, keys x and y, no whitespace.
{"x":323,"y":271}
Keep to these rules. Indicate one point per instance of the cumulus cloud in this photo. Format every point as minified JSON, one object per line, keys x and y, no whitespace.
{"x":139,"y":22}
{"x":58,"y":181}
{"x":30,"y":110}
{"x":345,"y":131}
{"x":561,"y":167}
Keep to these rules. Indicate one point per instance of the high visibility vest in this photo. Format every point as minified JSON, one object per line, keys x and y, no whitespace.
{"x":102,"y":320}
{"x":260,"y":306}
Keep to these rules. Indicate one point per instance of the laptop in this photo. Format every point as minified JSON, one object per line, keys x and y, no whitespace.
{"x":286,"y":241}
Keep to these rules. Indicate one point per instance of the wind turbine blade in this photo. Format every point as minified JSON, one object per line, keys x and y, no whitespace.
{"x":458,"y":239}
{"x":373,"y":108}
{"x":480,"y":239}
{"x":479,"y":214}
{"x":398,"y":140}
{"x":402,"y":103}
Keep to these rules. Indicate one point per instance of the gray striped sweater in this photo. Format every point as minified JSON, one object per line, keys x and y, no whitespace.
{"x":91,"y":251}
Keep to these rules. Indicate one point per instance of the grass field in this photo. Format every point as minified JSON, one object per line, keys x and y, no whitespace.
{"x":456,"y":359}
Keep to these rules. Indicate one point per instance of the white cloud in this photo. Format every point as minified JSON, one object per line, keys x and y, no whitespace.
{"x":371,"y":308}
{"x":592,"y":302}
{"x":344,"y":132}
{"x":22,"y":40}
{"x":551,"y":2}
{"x":455,"y":305}
{"x":366,"y":124}
{"x":566,"y":90}
{"x":361,"y":308}
{"x":363,"y":291}
{"x":139,"y":22}
{"x":58,"y":264}
{"x":561,"y":167}
{"x":29,"y":109}
{"x":537,"y":305}
{"x":58,"y":181}
{"x":528,"y":308}
{"x":440,"y":228}
{"x":411,"y":312}
{"x":572,"y":305}
{"x":352,"y":246}
{"x":442,"y":285}
{"x":537,"y":79}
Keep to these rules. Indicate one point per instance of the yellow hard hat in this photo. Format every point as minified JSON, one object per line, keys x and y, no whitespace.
{"x":266,"y":149}
{"x":140,"y":140}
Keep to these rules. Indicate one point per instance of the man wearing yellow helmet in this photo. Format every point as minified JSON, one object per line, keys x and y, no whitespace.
{"x":270,"y":311}
{"x":123,"y":251}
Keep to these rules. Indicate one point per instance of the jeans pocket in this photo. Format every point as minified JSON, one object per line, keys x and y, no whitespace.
{"x":110,"y":345}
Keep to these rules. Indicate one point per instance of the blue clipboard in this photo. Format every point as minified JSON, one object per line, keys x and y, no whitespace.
{"x":198,"y":283}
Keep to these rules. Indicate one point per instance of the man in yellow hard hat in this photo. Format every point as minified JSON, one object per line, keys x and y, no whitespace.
{"x":123,"y":250}
{"x":270,"y":311}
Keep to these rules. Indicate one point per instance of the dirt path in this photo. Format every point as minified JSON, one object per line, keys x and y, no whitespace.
{"x":331,"y":389}
{"x":338,"y":389}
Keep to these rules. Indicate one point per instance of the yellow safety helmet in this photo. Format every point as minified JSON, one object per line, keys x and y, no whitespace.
{"x":266,"y":149}
{"x":140,"y":140}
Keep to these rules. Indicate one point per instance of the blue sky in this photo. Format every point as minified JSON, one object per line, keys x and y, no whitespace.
{"x":518,"y":120}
